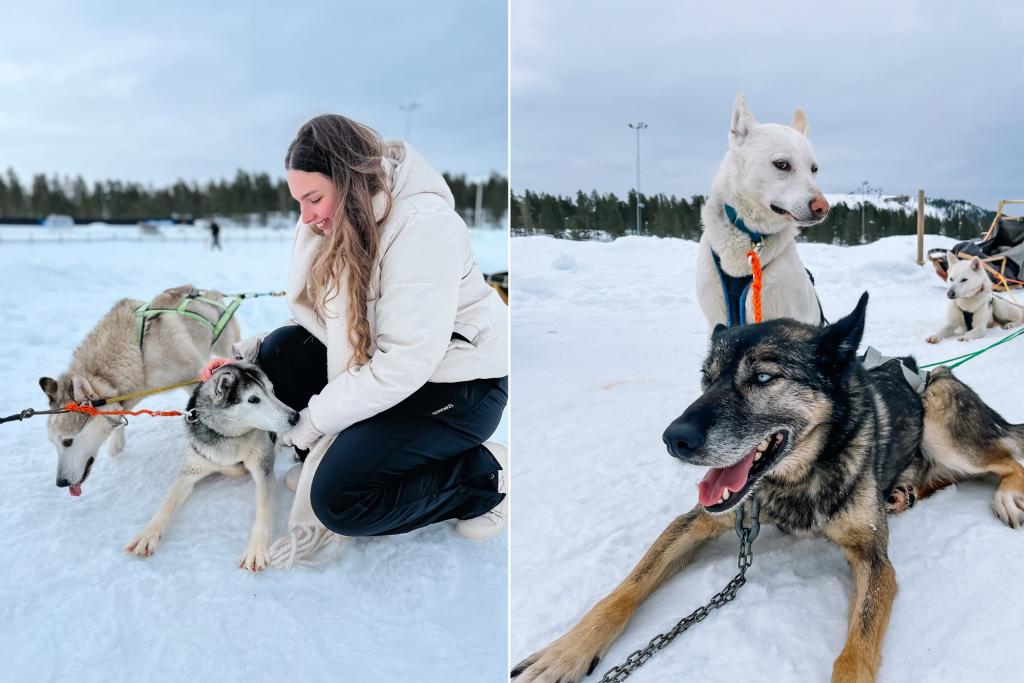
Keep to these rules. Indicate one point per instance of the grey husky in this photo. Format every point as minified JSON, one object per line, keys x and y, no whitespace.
{"x":231,"y":421}
{"x":110,"y":362}
{"x":791,"y":417}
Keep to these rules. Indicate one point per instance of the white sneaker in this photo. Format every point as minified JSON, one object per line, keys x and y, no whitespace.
{"x":489,"y":524}
{"x":291,"y":477}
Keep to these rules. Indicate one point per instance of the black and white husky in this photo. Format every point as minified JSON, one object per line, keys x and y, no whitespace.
{"x":231,"y":421}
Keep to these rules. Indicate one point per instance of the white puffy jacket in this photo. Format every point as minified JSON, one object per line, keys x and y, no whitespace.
{"x":425,"y":287}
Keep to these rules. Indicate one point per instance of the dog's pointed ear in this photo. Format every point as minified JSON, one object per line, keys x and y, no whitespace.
{"x":49,"y":387}
{"x":975,"y":263}
{"x":951,"y":258}
{"x":82,"y":390}
{"x":800,"y":123}
{"x":226,"y":381}
{"x":741,"y":124}
{"x":719,"y":329}
{"x":838,"y":343}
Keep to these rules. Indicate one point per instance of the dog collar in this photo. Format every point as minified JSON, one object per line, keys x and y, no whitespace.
{"x":734,"y":218}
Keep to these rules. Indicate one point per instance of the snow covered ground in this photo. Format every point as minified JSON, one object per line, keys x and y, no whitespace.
{"x":427,"y":606}
{"x":607,"y":342}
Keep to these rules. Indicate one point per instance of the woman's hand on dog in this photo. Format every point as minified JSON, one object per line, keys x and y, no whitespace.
{"x":304,"y":434}
{"x":207,"y":372}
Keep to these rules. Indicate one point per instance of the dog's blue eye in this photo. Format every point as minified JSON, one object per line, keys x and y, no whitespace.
{"x":764,"y":378}
{"x":254,"y":399}
{"x":781,"y":165}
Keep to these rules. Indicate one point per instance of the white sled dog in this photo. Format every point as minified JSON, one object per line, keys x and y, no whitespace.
{"x":231,"y":421}
{"x":973,"y":308}
{"x":763,"y":193}
{"x":111,"y":361}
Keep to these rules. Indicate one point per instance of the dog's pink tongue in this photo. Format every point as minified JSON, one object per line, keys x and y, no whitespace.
{"x":718,"y":479}
{"x":75,"y":490}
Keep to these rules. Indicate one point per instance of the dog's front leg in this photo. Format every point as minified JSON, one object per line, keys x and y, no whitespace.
{"x":117,"y":440}
{"x":578,"y":652}
{"x":874,"y":587}
{"x":193,"y":470}
{"x":950,"y":329}
{"x":255,"y":556}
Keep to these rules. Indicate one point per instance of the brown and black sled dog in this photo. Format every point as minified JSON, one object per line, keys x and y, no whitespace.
{"x":790,"y":416}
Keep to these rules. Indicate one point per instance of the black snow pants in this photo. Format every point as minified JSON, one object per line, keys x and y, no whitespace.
{"x":418,"y":462}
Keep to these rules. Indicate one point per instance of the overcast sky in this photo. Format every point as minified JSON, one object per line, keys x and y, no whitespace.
{"x":153,"y":91}
{"x":905,"y":95}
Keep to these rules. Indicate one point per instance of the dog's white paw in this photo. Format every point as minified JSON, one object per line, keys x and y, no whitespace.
{"x":1008,"y":504}
{"x":567,"y":660}
{"x":1009,"y":326}
{"x":144,"y":543}
{"x":934,"y":339}
{"x":255,"y":557}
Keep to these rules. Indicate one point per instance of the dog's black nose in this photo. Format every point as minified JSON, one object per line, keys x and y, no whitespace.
{"x":951,"y":294}
{"x":293,"y":419}
{"x":67,"y":442}
{"x":683,"y":437}
{"x":63,"y":483}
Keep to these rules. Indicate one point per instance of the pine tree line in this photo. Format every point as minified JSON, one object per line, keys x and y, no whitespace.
{"x":244,"y":195}
{"x":597,"y":216}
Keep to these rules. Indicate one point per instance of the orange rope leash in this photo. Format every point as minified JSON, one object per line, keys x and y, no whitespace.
{"x":755,"y":285}
{"x":89,"y":410}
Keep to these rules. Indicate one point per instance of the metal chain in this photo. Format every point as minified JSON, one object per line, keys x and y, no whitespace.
{"x":746,"y":534}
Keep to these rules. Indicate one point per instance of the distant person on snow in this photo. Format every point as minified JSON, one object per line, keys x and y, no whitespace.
{"x":215,"y":234}
{"x":398,"y":360}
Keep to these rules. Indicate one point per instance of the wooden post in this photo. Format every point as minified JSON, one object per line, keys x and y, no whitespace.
{"x":920,"y":227}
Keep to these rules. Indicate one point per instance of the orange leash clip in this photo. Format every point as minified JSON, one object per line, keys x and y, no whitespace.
{"x":755,"y":285}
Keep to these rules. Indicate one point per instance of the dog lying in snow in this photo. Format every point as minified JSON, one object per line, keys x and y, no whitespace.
{"x":973,"y":308}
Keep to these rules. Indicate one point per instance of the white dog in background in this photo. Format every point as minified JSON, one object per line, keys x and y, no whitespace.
{"x":973,"y":308}
{"x":767,"y":181}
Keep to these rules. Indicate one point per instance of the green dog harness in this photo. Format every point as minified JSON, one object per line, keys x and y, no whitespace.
{"x":144,"y":312}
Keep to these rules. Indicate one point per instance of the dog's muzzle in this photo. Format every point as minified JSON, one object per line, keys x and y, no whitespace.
{"x":686,"y":433}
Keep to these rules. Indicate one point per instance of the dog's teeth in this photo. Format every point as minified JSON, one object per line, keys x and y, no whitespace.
{"x":757,"y":456}
{"x":725,"y":494}
{"x":763,"y":446}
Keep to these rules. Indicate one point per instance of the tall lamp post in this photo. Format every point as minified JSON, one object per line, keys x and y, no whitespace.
{"x":408,"y":108}
{"x":638,"y":126}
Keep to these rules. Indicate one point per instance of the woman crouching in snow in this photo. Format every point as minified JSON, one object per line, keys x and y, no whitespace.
{"x":398,"y":361}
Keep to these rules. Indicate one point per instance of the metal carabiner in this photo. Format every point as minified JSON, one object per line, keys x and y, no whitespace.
{"x":755,"y":523}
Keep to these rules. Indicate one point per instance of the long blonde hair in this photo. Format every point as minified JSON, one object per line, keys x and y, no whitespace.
{"x":350,"y":154}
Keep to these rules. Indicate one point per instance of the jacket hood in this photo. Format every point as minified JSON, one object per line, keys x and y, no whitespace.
{"x":410,"y":175}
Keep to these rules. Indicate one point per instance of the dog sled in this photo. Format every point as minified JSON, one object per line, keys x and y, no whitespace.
{"x":1001,"y":250}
